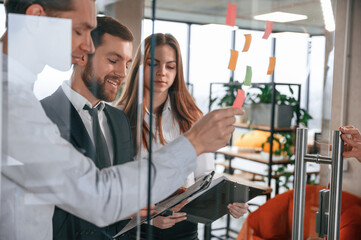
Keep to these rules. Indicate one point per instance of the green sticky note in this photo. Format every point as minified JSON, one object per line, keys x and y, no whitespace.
{"x":248,"y":78}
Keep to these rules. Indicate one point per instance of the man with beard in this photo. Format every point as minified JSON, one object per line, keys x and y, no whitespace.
{"x":92,"y":84}
{"x":39,"y":168}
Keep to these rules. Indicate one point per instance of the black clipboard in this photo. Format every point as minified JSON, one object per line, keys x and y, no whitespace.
{"x":170,"y":202}
{"x":211,"y":204}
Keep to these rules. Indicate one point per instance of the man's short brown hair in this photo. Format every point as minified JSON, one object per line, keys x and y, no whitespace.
{"x":111,"y":26}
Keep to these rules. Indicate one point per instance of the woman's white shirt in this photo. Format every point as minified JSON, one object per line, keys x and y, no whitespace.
{"x":171,"y":130}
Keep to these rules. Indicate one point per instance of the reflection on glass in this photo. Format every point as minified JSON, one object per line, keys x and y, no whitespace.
{"x":43,"y":87}
{"x":299,"y":46}
{"x":300,"y":59}
{"x":31,"y":138}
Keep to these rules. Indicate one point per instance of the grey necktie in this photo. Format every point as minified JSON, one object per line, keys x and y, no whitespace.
{"x":101,"y":148}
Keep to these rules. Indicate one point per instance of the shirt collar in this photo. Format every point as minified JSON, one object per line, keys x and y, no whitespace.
{"x":78,"y":100}
{"x":167,"y":106}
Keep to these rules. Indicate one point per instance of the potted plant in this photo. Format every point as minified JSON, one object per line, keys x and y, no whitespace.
{"x":264,"y":96}
{"x":286,"y":107}
{"x":258,"y":105}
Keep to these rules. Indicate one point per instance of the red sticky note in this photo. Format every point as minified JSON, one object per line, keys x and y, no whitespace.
{"x":231,"y":14}
{"x":268,"y":30}
{"x":238,"y":103}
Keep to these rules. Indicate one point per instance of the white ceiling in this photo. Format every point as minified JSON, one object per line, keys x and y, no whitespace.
{"x":214,"y":11}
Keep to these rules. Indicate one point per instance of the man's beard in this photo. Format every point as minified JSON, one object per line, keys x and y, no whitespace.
{"x":96,"y":86}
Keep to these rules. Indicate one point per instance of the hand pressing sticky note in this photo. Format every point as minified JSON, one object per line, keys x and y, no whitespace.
{"x":248,"y":42}
{"x":238,"y":102}
{"x":233,"y":61}
{"x":231,"y":14}
{"x":248,"y":78}
{"x":271,"y":66}
{"x":268,"y":30}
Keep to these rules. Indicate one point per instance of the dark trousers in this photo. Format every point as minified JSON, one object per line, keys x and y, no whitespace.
{"x":70,"y":227}
{"x":181,"y":231}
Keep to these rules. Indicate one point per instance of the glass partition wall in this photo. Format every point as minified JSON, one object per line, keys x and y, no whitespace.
{"x":50,"y":156}
{"x":301,"y":41}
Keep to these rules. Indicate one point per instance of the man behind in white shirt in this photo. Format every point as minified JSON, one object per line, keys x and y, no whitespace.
{"x":53,"y":171}
{"x":92,"y":85}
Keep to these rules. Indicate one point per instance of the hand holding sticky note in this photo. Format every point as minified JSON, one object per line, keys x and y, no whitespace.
{"x":231,"y":14}
{"x":238,"y":103}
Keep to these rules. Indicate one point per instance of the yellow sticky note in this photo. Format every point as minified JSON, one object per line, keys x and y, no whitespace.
{"x":271,"y":67}
{"x":233,"y":61}
{"x":248,"y":42}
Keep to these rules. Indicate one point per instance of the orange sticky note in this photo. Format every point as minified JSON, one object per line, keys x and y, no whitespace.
{"x":248,"y":42}
{"x":233,"y":61}
{"x":238,"y":102}
{"x":268,"y":30}
{"x":231,"y":14}
{"x":271,"y":66}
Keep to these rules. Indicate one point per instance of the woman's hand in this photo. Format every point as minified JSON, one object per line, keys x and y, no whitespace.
{"x":143,"y":212}
{"x":237,"y":210}
{"x":169,"y":221}
{"x":164,"y":222}
{"x":352,"y":146}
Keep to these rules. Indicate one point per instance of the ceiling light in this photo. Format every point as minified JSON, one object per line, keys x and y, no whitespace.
{"x":328,"y":17}
{"x":221,"y":26}
{"x":280,"y":17}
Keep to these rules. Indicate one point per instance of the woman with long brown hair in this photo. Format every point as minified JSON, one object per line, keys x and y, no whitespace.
{"x":174,"y":113}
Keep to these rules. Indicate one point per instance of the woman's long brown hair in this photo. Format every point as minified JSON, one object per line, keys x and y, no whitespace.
{"x":184,"y":109}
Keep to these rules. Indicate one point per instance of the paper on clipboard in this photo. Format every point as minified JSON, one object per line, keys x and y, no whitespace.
{"x":171,"y":202}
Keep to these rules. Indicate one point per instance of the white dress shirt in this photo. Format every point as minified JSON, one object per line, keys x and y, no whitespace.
{"x":171,"y":131}
{"x":41,"y":169}
{"x":78,"y":102}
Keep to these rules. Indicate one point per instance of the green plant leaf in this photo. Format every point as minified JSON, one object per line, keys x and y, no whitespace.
{"x":278,"y":152}
{"x":287,"y":174}
{"x":291,"y":90}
